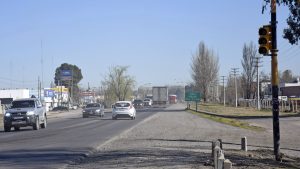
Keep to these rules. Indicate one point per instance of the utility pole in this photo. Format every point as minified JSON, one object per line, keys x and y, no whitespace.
{"x":42,"y":64}
{"x":275,"y":82}
{"x":257,"y":61}
{"x":235,"y":71}
{"x":223,"y":80}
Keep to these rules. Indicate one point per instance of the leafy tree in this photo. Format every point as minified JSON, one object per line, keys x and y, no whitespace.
{"x":249,"y":71}
{"x":205,"y":69}
{"x":287,"y":76}
{"x":76,"y":78}
{"x":292,"y":33}
{"x":118,"y":84}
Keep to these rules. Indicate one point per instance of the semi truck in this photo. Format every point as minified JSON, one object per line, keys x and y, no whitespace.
{"x":160,"y":95}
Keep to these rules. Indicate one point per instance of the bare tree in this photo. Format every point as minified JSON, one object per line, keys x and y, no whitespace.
{"x":249,"y":71}
{"x":118,"y":84}
{"x":205,"y":69}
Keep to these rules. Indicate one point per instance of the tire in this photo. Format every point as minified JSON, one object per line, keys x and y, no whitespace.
{"x":85,"y":116}
{"x":36,"y":125}
{"x":17,"y":128}
{"x":114,"y":118}
{"x":44,"y":125}
{"x":7,"y":128}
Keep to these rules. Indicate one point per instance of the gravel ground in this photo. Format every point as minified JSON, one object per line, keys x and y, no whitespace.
{"x":177,"y":139}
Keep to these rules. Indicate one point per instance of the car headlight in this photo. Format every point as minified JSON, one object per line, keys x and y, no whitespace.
{"x":83,"y":111}
{"x":30,"y":113}
{"x":98,"y":111}
{"x":7,"y":114}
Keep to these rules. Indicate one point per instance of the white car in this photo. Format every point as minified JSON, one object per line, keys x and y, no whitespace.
{"x":147,"y":102}
{"x":123,"y":109}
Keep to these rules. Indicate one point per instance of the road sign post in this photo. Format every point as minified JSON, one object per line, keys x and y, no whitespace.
{"x":193,"y":96}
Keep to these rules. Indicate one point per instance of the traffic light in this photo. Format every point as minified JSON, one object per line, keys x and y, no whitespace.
{"x":265,"y":39}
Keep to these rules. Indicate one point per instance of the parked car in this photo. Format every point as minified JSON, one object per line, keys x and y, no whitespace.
{"x":25,"y":112}
{"x":123,"y":109}
{"x":138,"y":103}
{"x":147,"y":102}
{"x":93,"y":109}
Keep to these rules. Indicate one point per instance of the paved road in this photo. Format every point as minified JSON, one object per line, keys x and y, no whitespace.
{"x":67,"y":137}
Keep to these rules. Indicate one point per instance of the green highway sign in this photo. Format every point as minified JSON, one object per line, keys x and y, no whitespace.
{"x":192,"y":96}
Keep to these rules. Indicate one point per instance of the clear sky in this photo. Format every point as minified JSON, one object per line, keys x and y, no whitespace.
{"x":156,"y":38}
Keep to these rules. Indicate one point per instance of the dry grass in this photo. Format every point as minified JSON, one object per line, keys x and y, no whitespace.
{"x":235,"y":111}
{"x":228,"y":121}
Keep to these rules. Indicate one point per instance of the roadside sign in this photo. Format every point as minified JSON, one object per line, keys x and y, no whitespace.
{"x":192,"y":96}
{"x":66,"y":75}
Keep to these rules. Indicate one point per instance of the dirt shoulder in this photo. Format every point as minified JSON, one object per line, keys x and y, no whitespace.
{"x":178,"y":139}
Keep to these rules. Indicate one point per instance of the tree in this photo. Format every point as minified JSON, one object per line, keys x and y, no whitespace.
{"x":118,"y":84}
{"x":205,"y":69}
{"x":287,"y":76}
{"x":73,"y":83}
{"x":292,"y":33}
{"x":249,"y":71}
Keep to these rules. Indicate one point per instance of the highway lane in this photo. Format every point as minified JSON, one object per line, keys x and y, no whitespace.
{"x":68,"y":137}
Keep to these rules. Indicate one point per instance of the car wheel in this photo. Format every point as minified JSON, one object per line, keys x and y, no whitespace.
{"x":85,"y":116}
{"x":17,"y":128}
{"x":44,"y":125}
{"x":7,"y":128}
{"x":114,"y":118}
{"x":36,"y":125}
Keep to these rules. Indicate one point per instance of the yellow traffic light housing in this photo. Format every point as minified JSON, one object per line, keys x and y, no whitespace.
{"x":265,"y":40}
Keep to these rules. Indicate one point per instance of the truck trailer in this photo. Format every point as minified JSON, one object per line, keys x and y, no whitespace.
{"x":160,"y":95}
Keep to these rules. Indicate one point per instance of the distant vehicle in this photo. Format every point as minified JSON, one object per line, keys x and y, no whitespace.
{"x":172,"y":99}
{"x":138,"y":103}
{"x":123,"y":109}
{"x":25,"y":112}
{"x":160,"y":95}
{"x":60,"y":108}
{"x":147,"y":102}
{"x":93,"y":109}
{"x":149,"y":96}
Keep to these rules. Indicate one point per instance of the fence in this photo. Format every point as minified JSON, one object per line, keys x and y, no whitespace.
{"x":284,"y":106}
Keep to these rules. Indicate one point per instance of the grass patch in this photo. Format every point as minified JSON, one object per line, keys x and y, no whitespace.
{"x":228,"y":121}
{"x":235,"y":111}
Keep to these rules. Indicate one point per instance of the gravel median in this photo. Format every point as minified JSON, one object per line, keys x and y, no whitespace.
{"x":174,"y":139}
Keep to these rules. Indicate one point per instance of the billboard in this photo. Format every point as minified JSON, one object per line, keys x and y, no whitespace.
{"x":66,"y":75}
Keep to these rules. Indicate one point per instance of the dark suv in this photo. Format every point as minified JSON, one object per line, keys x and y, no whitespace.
{"x":25,"y":112}
{"x":138,"y":103}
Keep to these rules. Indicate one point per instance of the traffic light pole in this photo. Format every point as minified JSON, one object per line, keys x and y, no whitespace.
{"x":275,"y":82}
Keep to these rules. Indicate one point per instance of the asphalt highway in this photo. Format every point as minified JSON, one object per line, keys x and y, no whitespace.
{"x":67,"y":138}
